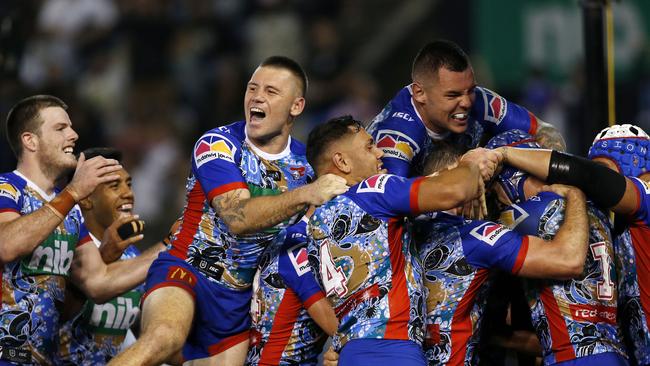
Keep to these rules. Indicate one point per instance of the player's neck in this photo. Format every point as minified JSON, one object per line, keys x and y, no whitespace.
{"x":435,"y":130}
{"x":92,"y":225}
{"x":532,"y":186}
{"x":273,"y":145}
{"x":33,"y":171}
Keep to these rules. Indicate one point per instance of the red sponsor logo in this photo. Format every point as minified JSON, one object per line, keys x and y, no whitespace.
{"x":593,"y":313}
{"x":376,"y":183}
{"x":181,"y":274}
{"x":297,"y":172}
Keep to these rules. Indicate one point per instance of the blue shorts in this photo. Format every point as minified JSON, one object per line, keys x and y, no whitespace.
{"x":607,"y":358}
{"x":380,"y":352}
{"x":221,"y":315}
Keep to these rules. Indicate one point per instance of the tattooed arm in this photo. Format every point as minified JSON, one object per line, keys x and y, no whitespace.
{"x":549,"y":137}
{"x":245,"y":214}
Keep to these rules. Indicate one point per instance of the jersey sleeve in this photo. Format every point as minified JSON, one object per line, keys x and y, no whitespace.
{"x":294,"y":269}
{"x":10,"y":197}
{"x":400,"y":138}
{"x":84,"y":236}
{"x":490,"y":245}
{"x":642,"y":211}
{"x":214,"y":163}
{"x":387,"y":195}
{"x":496,"y":114}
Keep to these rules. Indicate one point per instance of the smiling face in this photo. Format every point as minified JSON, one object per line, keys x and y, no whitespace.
{"x":112,"y":200}
{"x":444,"y":101}
{"x":55,"y":141}
{"x":273,"y":99}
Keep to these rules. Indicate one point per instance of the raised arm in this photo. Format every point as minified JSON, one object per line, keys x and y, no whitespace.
{"x":245,"y":214}
{"x":564,"y":256}
{"x":452,"y":188}
{"x":102,"y":282}
{"x":556,"y":167}
{"x":20,"y":235}
{"x":549,"y":137}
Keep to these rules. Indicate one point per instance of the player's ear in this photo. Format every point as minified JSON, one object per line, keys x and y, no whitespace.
{"x":418,"y":92}
{"x":297,"y":107}
{"x":341,"y":163}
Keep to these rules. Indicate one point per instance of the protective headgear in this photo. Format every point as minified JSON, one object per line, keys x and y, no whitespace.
{"x":511,"y":179}
{"x":626,"y":145}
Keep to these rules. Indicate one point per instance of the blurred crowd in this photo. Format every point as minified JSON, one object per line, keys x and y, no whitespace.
{"x":149,"y":76}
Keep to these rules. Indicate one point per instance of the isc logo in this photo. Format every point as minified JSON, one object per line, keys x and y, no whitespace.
{"x":53,"y":256}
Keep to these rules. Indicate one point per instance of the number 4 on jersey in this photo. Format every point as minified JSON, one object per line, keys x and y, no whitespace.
{"x":333,"y":277}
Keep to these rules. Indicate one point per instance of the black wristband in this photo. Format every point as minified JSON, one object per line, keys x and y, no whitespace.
{"x":602,"y":185}
{"x":130,"y":228}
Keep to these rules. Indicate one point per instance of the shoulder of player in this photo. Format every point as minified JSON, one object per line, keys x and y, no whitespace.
{"x":11,"y":185}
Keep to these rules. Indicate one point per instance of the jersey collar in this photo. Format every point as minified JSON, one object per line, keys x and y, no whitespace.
{"x":267,"y":156}
{"x":32,"y":185}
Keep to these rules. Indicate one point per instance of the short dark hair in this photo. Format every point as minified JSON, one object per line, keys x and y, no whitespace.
{"x":443,"y":154}
{"x":24,"y":117}
{"x":438,"y":54}
{"x":106,"y":152}
{"x":322,"y":136}
{"x":294,"y":67}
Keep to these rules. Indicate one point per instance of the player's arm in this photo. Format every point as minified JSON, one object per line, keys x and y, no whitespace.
{"x":102,"y":282}
{"x":602,"y":185}
{"x":323,"y":314}
{"x":452,"y":188}
{"x":549,"y":137}
{"x":20,"y":235}
{"x":564,"y":256}
{"x":245,"y":214}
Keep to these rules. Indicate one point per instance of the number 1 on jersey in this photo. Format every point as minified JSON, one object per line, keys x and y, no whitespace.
{"x":605,"y":289}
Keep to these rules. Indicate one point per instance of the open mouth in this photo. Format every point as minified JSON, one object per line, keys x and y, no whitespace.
{"x":125,"y":209}
{"x":257,"y":113}
{"x":461,"y":117}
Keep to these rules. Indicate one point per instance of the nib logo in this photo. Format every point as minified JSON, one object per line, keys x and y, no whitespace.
{"x":213,"y":146}
{"x":396,"y":145}
{"x":489,"y":232}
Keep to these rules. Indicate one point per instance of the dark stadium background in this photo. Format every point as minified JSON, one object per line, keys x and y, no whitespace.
{"x":148,"y":76}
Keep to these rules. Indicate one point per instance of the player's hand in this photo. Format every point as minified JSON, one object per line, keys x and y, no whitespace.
{"x":113,"y":245}
{"x":325,"y":188}
{"x":330,"y":358}
{"x":565,"y":191}
{"x":486,"y":160}
{"x":91,"y":173}
{"x":476,"y":209}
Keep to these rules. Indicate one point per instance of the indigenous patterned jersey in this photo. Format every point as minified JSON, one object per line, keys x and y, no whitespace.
{"x":573,"y":318}
{"x":633,"y":258}
{"x":284,"y":287}
{"x":96,"y":334}
{"x":456,"y":255}
{"x":33,"y":286}
{"x":224,"y":160}
{"x":364,"y":260}
{"x":399,"y":131}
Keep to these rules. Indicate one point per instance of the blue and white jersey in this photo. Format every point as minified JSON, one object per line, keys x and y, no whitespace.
{"x":283,"y":333}
{"x":399,"y":131}
{"x":365,"y":262}
{"x":574,"y":318}
{"x":633,"y":265}
{"x":33,"y":286}
{"x":456,"y":255}
{"x":223,"y":160}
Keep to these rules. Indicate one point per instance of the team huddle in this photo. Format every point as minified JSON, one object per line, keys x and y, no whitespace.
{"x":381,"y":236}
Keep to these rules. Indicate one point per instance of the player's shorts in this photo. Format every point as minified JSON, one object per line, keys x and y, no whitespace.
{"x":221,"y":315}
{"x":380,"y":352}
{"x":607,"y":358}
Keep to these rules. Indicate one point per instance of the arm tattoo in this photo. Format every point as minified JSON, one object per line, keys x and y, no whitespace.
{"x":550,"y":138}
{"x":230,"y":207}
